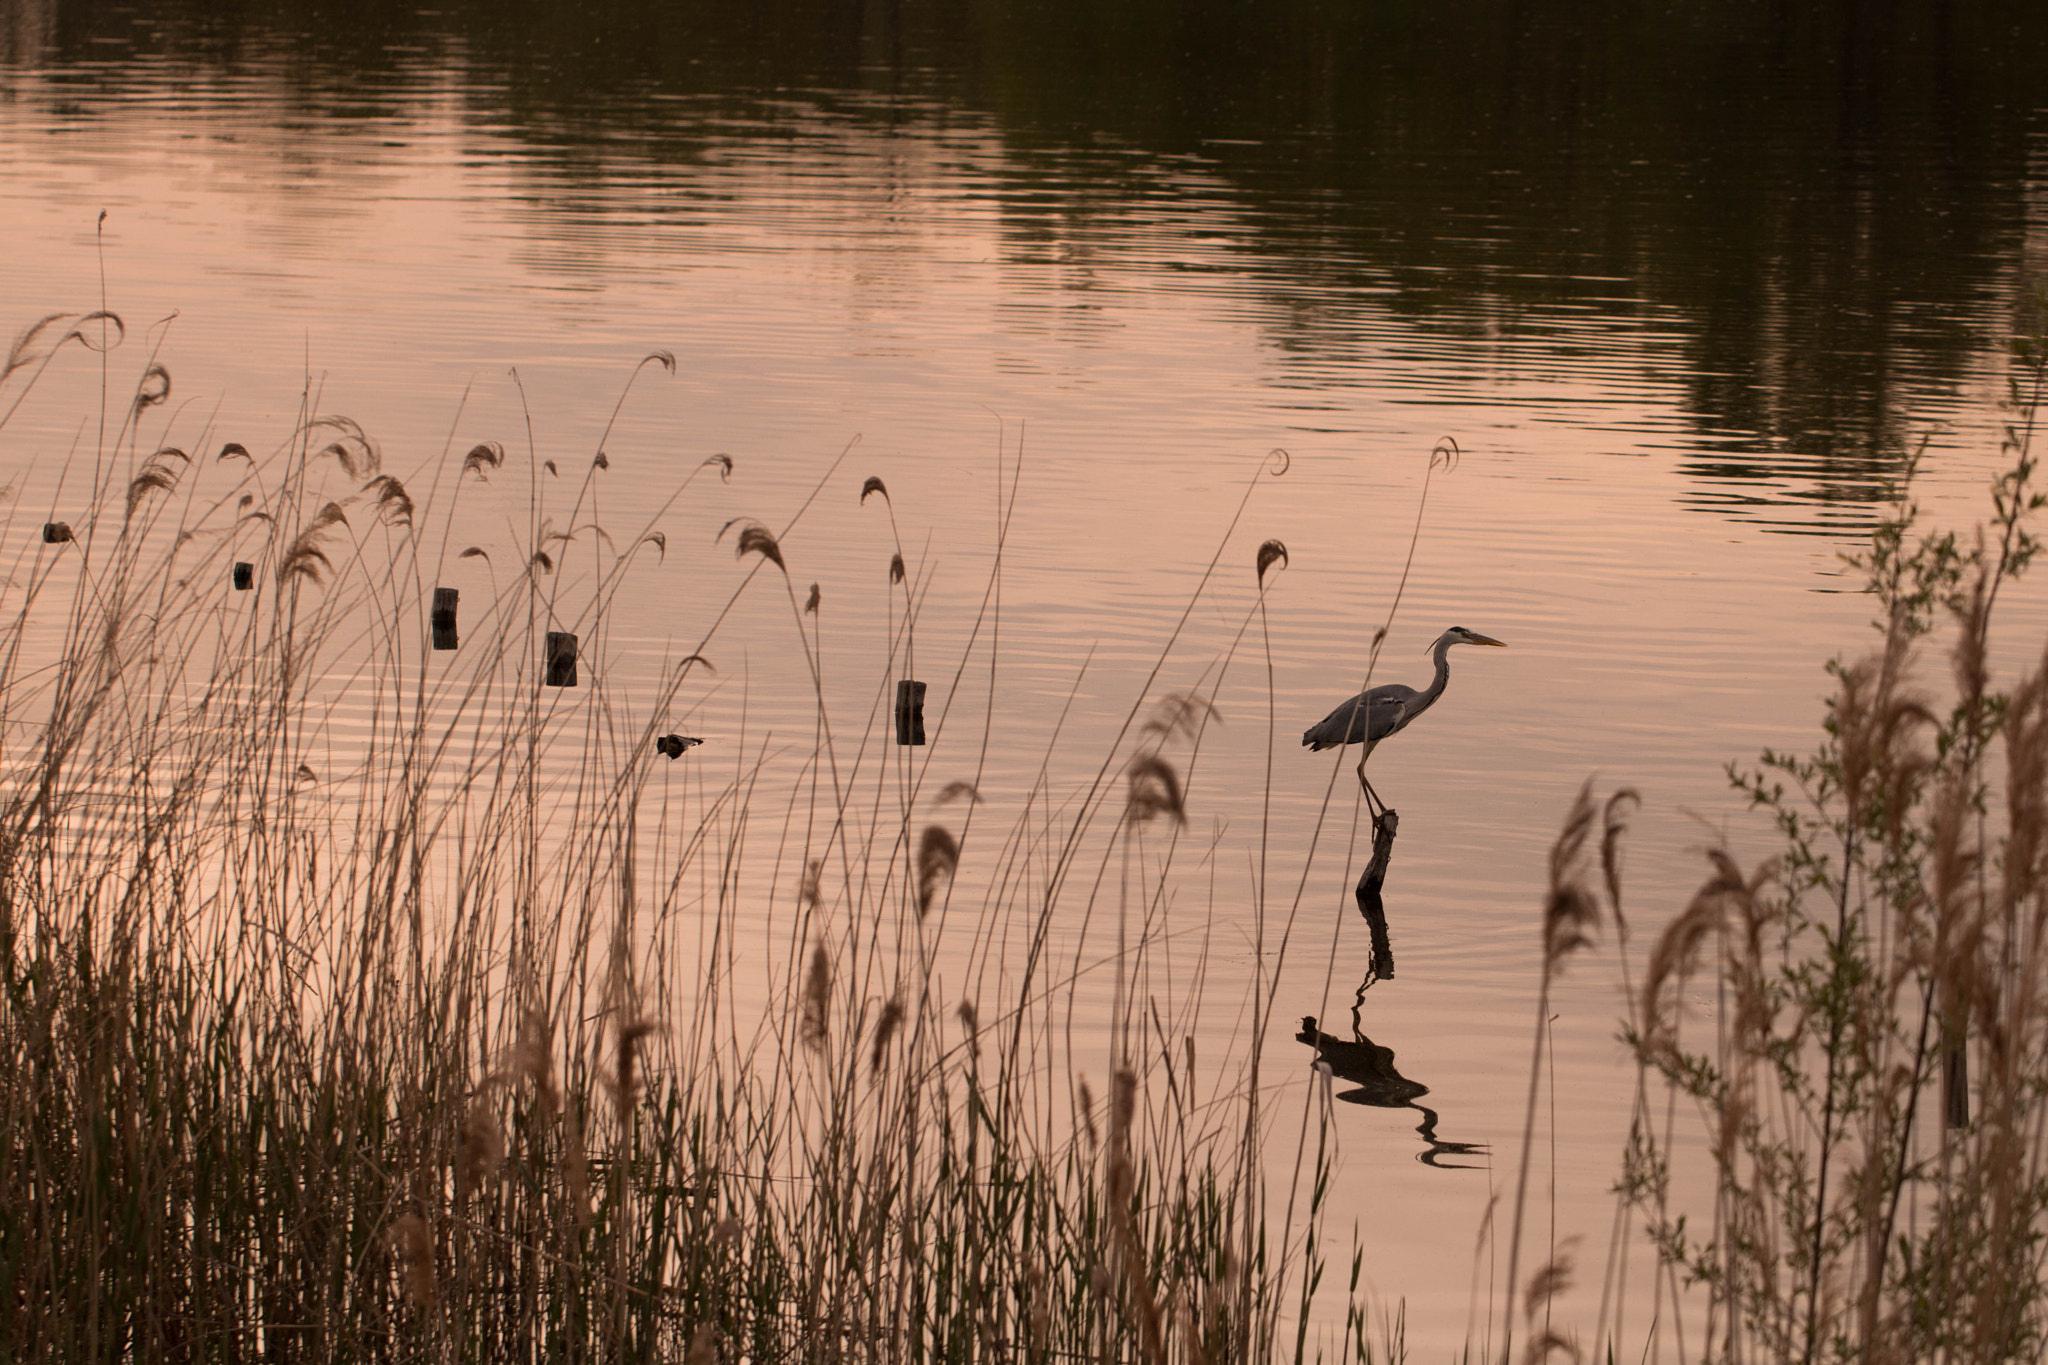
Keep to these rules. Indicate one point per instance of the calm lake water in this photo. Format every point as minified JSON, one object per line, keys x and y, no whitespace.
{"x":1684,"y":290}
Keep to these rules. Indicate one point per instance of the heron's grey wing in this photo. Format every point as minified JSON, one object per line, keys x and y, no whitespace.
{"x":1387,"y":708}
{"x":1344,"y":725}
{"x":1372,"y":714}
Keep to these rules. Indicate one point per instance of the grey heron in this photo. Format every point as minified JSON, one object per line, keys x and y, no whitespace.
{"x":1377,"y":712}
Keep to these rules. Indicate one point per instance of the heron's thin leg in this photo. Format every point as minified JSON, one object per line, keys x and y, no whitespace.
{"x":1373,"y":803}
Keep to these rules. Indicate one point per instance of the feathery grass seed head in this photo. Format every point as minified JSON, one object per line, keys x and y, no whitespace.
{"x":412,"y":1245}
{"x":153,"y":388}
{"x":754,"y":538}
{"x":483,"y":455}
{"x":1271,"y":552}
{"x":1569,"y":910}
{"x":814,"y":1026}
{"x":351,"y":447}
{"x":1179,"y":714}
{"x":938,"y":856}
{"x":480,"y":1143}
{"x":625,"y":1080}
{"x":394,"y":504}
{"x":156,"y":475}
{"x":885,"y":1032}
{"x":970,"y":1019}
{"x":1154,"y":790}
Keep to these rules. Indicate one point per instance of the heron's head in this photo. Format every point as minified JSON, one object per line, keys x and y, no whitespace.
{"x":1458,"y":635}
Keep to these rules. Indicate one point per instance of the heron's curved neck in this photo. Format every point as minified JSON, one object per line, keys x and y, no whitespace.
{"x":1443,"y":673}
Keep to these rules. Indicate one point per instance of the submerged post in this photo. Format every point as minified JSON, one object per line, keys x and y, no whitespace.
{"x":909,"y":711}
{"x":561,"y":659}
{"x":245,"y":575}
{"x":1370,"y":904}
{"x":443,"y":618}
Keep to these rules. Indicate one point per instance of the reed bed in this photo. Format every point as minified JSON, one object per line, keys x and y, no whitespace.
{"x":362,"y":1002}
{"x":1868,"y":1179}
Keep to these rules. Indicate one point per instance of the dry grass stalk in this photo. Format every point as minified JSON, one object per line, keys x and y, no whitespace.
{"x":1570,"y":913}
{"x":1119,"y":1190}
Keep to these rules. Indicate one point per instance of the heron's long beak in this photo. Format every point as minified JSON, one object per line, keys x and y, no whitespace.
{"x":1471,"y":637}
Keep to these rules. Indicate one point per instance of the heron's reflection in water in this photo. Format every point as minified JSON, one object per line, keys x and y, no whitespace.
{"x":1361,"y":1061}
{"x":1370,"y":1069}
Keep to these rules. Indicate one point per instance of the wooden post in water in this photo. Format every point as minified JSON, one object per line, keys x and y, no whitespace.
{"x":1369,"y":903}
{"x":909,"y":711}
{"x":443,"y":618}
{"x":561,"y":659}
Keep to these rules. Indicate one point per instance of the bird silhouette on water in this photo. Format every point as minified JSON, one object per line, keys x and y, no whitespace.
{"x":1380,"y":711}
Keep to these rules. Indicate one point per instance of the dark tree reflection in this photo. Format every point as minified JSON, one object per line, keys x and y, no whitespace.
{"x":1811,"y":217}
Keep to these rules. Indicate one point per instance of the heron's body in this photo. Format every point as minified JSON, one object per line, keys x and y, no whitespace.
{"x":1370,"y":716}
{"x":1380,"y":711}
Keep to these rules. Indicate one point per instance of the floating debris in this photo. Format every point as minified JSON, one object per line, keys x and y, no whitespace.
{"x":673,"y":745}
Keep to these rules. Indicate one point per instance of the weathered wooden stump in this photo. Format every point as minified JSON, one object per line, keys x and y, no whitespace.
{"x":909,"y":711}
{"x":561,"y":659}
{"x":442,"y":618}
